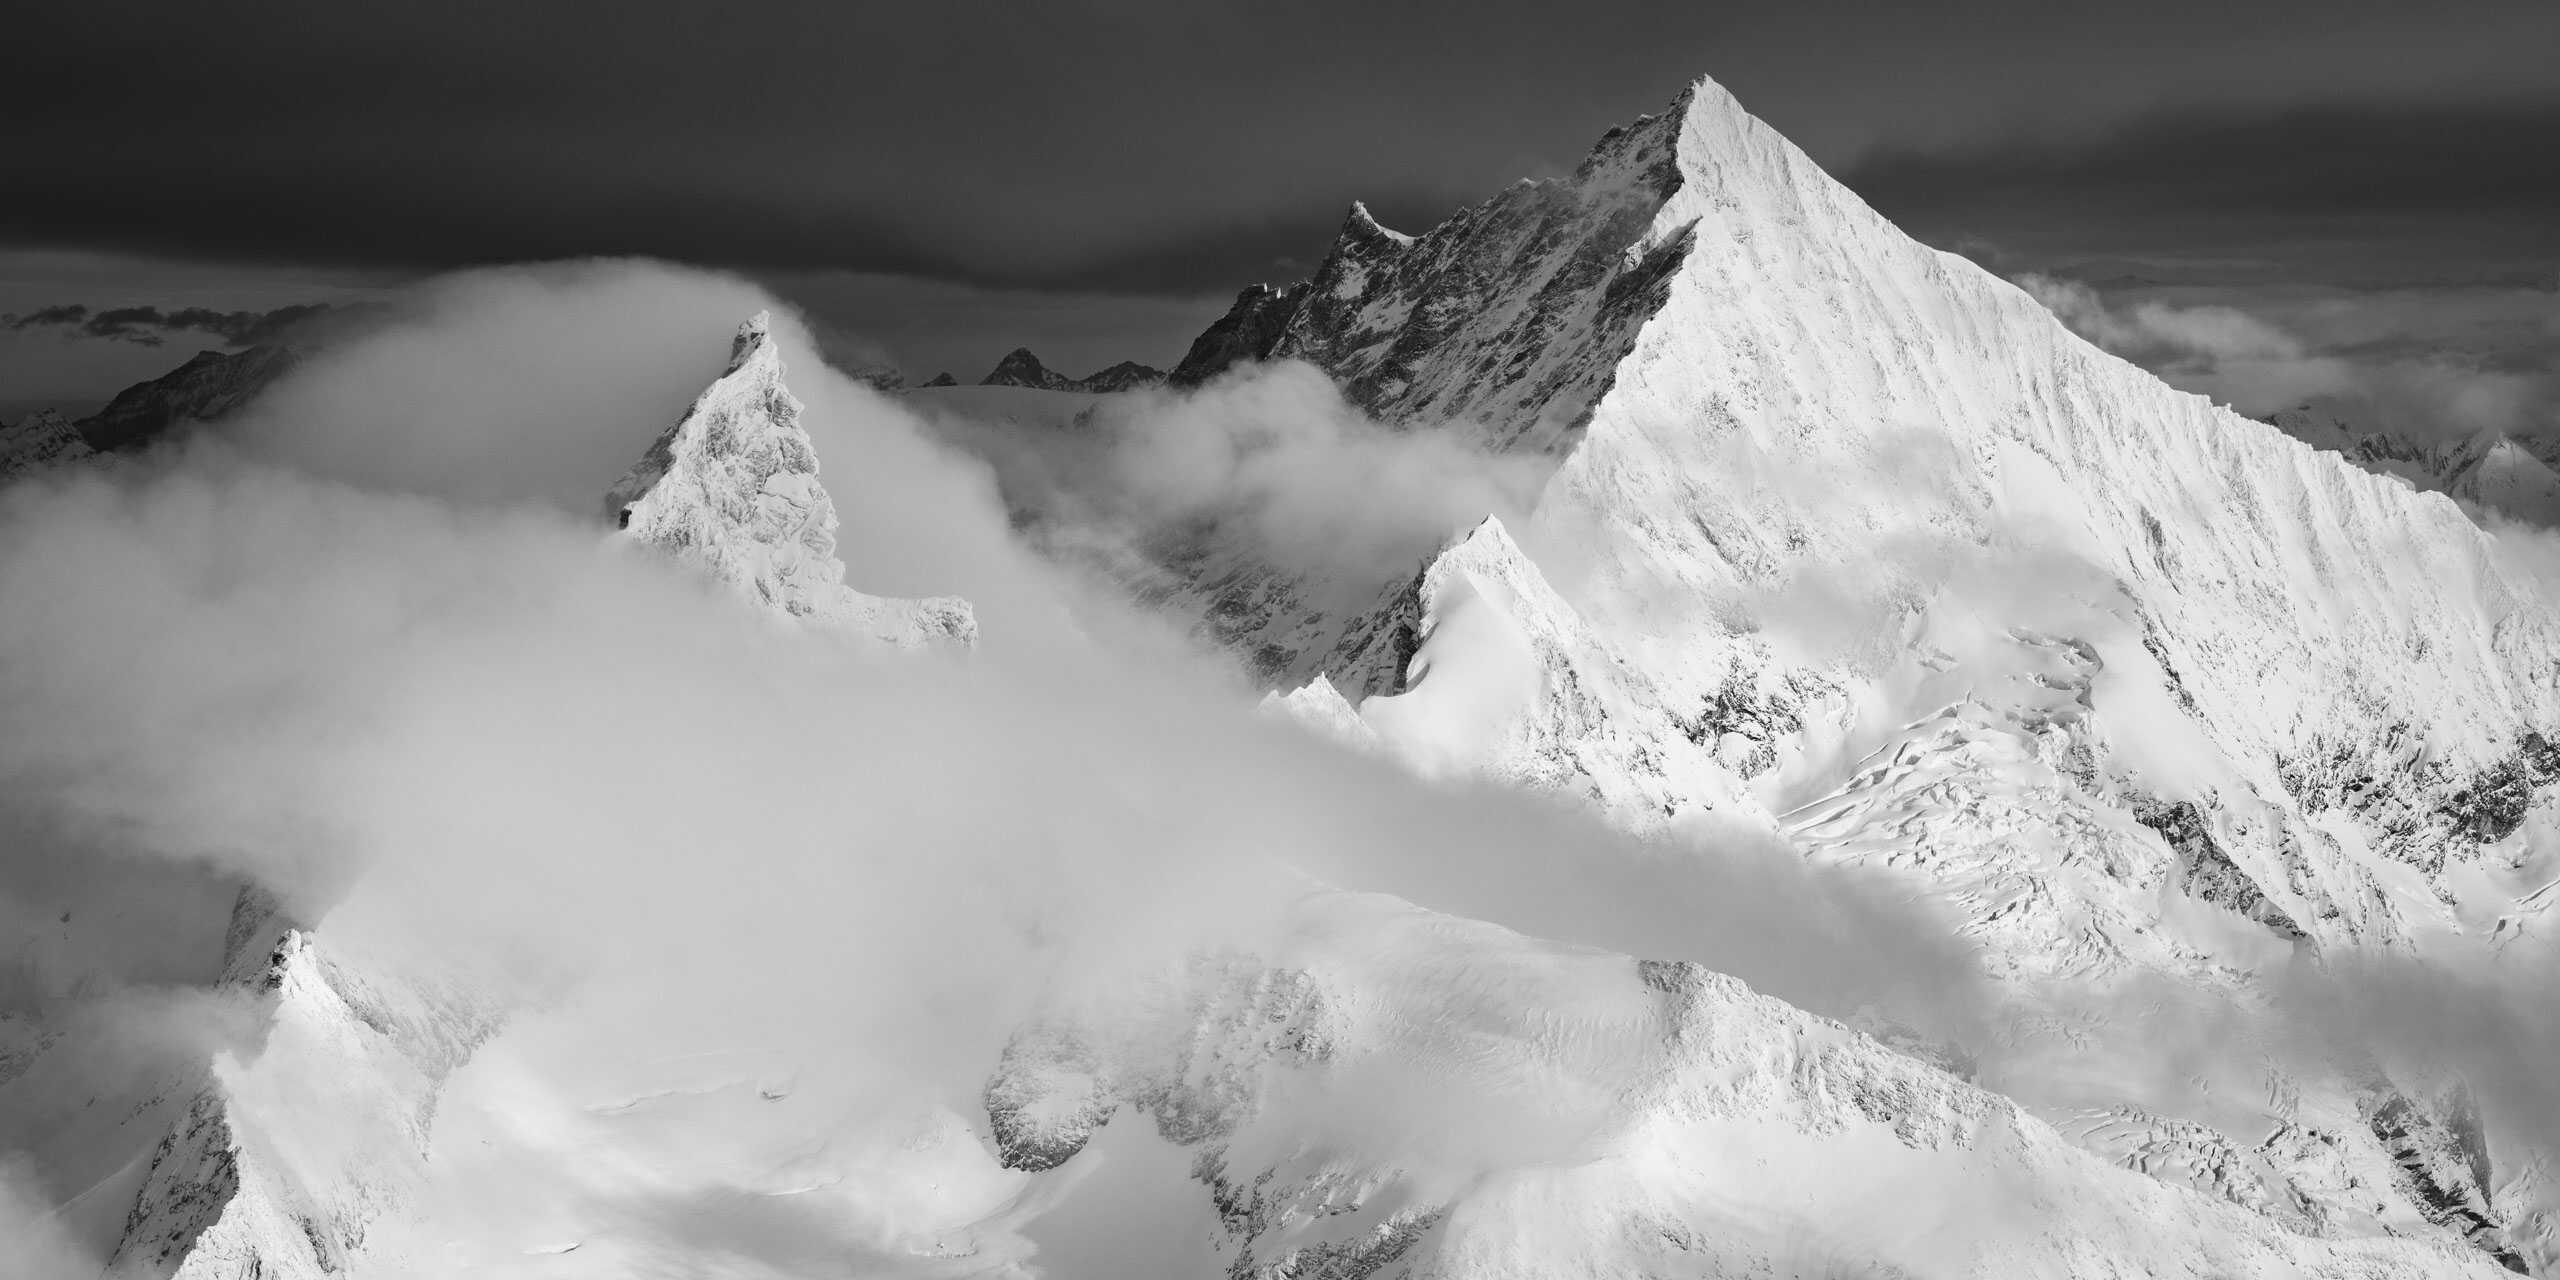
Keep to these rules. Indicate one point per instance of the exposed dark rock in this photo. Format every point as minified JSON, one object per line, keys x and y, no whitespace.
{"x":207,"y":388}
{"x":2420,"y":810}
{"x":2206,"y":872}
{"x":1046,"y":1098}
{"x":2494,"y":804}
{"x":193,"y":1175}
{"x":2441,"y":1164}
{"x":1020,"y":368}
{"x":1743,"y":725}
{"x":1248,"y":332}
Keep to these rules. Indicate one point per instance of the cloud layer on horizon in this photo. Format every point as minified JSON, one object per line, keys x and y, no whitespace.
{"x":152,"y":326}
{"x":2427,"y":364}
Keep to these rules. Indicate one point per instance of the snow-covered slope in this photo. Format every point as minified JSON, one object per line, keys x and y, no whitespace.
{"x":277,"y":1106}
{"x":1849,"y":530}
{"x":1838,"y":536}
{"x":2486,"y":470}
{"x":733,"y":488}
{"x":1391,"y":1092}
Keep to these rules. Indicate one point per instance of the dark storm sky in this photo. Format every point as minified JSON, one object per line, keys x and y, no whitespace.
{"x":957,"y":163}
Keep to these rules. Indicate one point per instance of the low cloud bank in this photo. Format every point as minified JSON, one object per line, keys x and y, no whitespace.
{"x":1272,"y":455}
{"x":2387,"y":361}
{"x":370,"y":648}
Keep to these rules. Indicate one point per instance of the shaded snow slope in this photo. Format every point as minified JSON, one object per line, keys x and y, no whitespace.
{"x":733,"y":488}
{"x":1393,"y":1092}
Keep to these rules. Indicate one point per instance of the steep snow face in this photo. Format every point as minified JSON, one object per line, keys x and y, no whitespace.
{"x":1849,"y":531}
{"x":1822,"y":398}
{"x":2487,"y":470}
{"x":733,"y":488}
{"x":283,"y":1164}
{"x":1508,"y":318}
{"x":1798,"y":425}
{"x":1493,"y":674}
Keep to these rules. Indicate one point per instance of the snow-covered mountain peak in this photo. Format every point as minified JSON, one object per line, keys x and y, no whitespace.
{"x":1849,"y":530}
{"x":733,"y":488}
{"x":1359,"y":223}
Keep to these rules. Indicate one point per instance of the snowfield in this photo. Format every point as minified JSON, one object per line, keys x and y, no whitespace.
{"x":2184,"y":728}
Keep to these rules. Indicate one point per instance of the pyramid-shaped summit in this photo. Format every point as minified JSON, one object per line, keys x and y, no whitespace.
{"x":733,"y":489}
{"x":1849,"y":538}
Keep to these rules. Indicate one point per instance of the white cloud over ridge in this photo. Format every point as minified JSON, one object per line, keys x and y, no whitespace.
{"x":371,"y":649}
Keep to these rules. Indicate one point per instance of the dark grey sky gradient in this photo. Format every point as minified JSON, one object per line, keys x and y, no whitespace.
{"x":1007,"y":156}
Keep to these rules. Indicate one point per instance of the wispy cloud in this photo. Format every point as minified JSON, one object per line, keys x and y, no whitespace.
{"x":152,"y":326}
{"x":2425,"y":363}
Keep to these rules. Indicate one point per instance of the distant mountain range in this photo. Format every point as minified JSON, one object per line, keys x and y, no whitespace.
{"x":2511,"y":476}
{"x":210,"y":386}
{"x":1020,"y":368}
